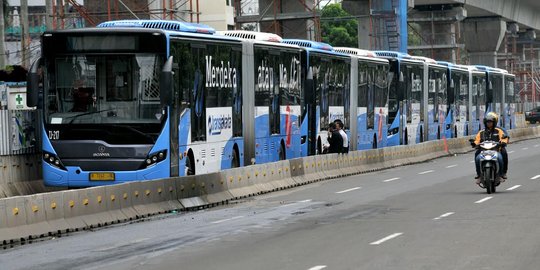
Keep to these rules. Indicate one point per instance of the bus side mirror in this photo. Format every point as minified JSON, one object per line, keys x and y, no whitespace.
{"x":490,"y":85}
{"x":452,"y":84}
{"x":401,"y":79}
{"x":166,"y":82}
{"x":32,"y":81}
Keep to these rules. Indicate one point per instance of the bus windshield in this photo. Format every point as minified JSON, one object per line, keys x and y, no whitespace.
{"x":99,"y":89}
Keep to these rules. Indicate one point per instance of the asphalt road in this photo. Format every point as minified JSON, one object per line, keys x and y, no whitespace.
{"x":423,"y":216}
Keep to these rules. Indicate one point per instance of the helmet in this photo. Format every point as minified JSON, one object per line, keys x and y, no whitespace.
{"x":491,"y":116}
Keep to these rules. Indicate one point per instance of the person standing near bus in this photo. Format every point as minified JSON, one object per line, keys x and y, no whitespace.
{"x":339,"y":126}
{"x":335,"y":140}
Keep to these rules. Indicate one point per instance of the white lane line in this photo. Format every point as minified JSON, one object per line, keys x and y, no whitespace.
{"x":430,"y":171}
{"x":227,"y":219}
{"x":347,"y":190}
{"x":451,"y":166}
{"x":444,"y":215}
{"x":378,"y":242}
{"x":535,"y":177}
{"x":305,"y":201}
{"x":514,"y":187}
{"x":536,"y":145}
{"x":391,"y":179}
{"x":472,"y":161}
{"x":510,"y":152}
{"x":483,"y":200}
{"x":318,"y":267}
{"x":525,"y":148}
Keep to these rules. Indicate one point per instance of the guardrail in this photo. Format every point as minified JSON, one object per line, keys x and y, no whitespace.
{"x":27,"y":217}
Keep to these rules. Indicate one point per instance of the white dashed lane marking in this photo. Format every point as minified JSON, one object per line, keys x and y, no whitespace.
{"x":392,"y":236}
{"x":483,"y":200}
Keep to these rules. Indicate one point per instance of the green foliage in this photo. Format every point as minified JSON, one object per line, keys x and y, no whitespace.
{"x":337,"y":31}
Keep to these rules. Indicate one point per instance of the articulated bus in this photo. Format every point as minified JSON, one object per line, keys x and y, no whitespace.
{"x":494,"y":89}
{"x":438,"y":120}
{"x":407,"y":101}
{"x":511,"y":100}
{"x":369,"y":98}
{"x":134,"y":100}
{"x":273,"y":70}
{"x":477,"y":82}
{"x":459,"y":93}
{"x":329,"y":98}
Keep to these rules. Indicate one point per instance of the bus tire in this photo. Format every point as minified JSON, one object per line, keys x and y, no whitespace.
{"x":282,"y":153}
{"x":190,"y":163}
{"x":235,"y":158}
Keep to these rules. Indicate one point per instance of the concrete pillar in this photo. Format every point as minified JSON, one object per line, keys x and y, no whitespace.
{"x":360,"y":9}
{"x":483,"y":37}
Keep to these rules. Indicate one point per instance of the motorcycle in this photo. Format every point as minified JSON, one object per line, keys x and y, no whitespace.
{"x":489,"y":165}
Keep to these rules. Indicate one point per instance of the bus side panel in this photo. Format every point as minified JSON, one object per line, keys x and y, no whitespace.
{"x":394,"y":133}
{"x":184,"y":136}
{"x":262,"y":134}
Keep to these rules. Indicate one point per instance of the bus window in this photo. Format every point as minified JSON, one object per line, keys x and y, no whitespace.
{"x":208,"y":80}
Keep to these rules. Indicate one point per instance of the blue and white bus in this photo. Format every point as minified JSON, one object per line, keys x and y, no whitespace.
{"x":494,"y":89}
{"x":273,"y":71}
{"x":458,"y":100}
{"x":406,"y":99}
{"x":369,"y":98}
{"x":134,"y":100}
{"x":512,"y":105}
{"x":477,"y":82}
{"x":329,"y":98}
{"x":438,"y":120}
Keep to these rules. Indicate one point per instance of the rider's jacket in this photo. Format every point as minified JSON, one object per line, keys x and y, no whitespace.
{"x":495,"y":134}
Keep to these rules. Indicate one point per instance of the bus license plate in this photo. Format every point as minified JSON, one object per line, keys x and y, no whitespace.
{"x":102,"y":176}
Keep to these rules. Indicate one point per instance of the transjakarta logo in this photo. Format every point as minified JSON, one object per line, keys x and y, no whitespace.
{"x":222,"y":76}
{"x":217,"y":123}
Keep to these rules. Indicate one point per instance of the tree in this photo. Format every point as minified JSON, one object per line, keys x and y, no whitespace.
{"x":336,"y":29}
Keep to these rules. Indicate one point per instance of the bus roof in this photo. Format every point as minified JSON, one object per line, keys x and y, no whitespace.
{"x":160,"y":24}
{"x":355,"y":51}
{"x":392,"y":54}
{"x":259,"y":36}
{"x":424,"y":59}
{"x":309,"y":44}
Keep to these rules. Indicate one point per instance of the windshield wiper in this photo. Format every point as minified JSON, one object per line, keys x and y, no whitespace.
{"x":87,"y":113}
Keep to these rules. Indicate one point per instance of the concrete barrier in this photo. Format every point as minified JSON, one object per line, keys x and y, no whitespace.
{"x":26,"y":217}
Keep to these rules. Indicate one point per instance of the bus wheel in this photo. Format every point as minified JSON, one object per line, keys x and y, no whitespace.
{"x":282,"y":153}
{"x":190,"y":164}
{"x":235,"y":160}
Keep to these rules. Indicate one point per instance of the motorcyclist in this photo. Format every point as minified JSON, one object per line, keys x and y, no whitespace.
{"x":490,"y":133}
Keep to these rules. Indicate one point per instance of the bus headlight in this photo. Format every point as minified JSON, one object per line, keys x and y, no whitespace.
{"x":53,"y":160}
{"x":154,"y":158}
{"x":393,"y":131}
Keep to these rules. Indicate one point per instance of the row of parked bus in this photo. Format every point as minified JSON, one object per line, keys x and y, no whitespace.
{"x":146,"y":99}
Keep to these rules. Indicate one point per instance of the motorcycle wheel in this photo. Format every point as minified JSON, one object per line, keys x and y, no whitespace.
{"x":488,"y":183}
